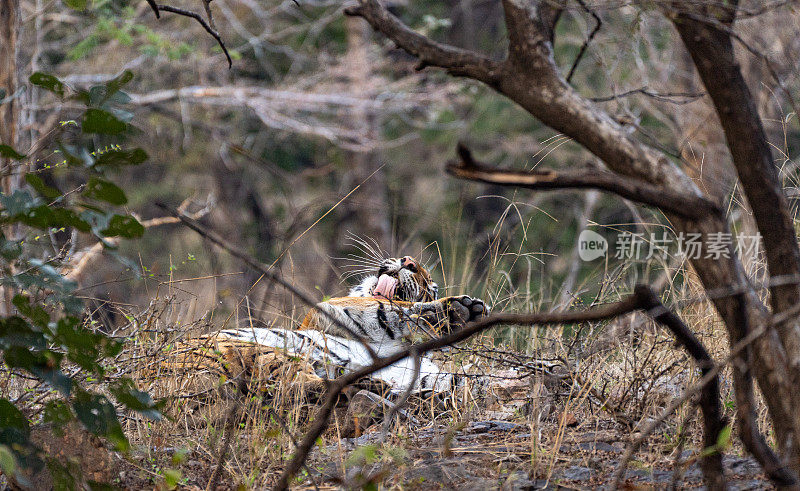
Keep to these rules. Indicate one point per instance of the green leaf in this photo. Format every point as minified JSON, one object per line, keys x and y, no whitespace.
{"x":44,"y":217}
{"x":15,"y":331}
{"x":34,"y":312}
{"x":723,"y":440}
{"x":63,"y":217}
{"x":724,"y":437}
{"x":83,"y":346}
{"x":18,"y":203}
{"x":171,"y":478}
{"x":121,"y":157}
{"x":98,"y":416}
{"x":10,"y":249}
{"x":123,"y":226}
{"x":57,"y":413}
{"x":103,"y":190}
{"x":114,"y":85}
{"x":11,"y":417}
{"x":127,"y":394}
{"x":43,"y":364}
{"x":48,"y":82}
{"x":63,"y":479}
{"x":7,"y":463}
{"x":76,"y":4}
{"x":9,"y":153}
{"x":39,"y":185}
{"x":103,"y":122}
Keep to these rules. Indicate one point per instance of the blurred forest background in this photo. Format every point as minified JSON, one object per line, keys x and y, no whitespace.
{"x":322,"y":143}
{"x":322,"y":131}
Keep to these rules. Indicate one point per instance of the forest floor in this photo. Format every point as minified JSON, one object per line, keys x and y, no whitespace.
{"x":481,"y":454}
{"x":518,"y":434}
{"x":560,"y":414}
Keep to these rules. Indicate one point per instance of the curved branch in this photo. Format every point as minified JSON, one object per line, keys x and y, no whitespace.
{"x":643,"y":298}
{"x":201,"y":21}
{"x":322,"y":416}
{"x":685,"y":205}
{"x":706,"y":35}
{"x":713,"y":421}
{"x":456,"y":61}
{"x":597,"y":25}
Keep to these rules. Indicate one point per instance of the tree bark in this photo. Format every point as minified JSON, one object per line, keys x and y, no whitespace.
{"x":530,"y":77}
{"x":9,"y":110}
{"x":707,"y":37}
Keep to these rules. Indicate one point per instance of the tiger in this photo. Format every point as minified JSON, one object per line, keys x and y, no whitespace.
{"x":386,"y":306}
{"x":379,"y":316}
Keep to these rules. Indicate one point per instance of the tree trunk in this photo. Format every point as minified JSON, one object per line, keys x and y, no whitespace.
{"x":530,"y":77}
{"x":9,"y":111}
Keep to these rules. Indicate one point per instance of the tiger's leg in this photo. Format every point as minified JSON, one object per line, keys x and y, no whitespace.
{"x":450,"y":312}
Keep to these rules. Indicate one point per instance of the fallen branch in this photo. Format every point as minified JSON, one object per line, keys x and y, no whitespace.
{"x":641,"y":299}
{"x":684,"y":205}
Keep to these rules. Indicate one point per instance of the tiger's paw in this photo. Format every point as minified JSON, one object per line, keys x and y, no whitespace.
{"x":464,"y":309}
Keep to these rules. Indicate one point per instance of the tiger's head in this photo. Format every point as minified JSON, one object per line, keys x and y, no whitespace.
{"x":403,"y":279}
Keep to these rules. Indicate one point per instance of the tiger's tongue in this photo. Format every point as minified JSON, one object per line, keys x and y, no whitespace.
{"x":385,"y":287}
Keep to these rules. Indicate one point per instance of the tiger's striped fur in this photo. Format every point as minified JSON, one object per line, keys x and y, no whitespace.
{"x":383,"y":311}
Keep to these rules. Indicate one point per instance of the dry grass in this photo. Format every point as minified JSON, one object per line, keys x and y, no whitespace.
{"x":568,"y":389}
{"x":603,"y":382}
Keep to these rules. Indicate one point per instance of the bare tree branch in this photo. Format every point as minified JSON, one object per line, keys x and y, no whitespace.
{"x":598,"y":24}
{"x":711,"y":48}
{"x":456,"y":61}
{"x":643,"y":298}
{"x":686,"y":97}
{"x":153,"y":5}
{"x":588,"y":178}
{"x":201,"y":21}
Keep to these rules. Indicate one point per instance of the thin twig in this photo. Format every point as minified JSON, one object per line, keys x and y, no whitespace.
{"x":153,"y":5}
{"x":207,"y":6}
{"x":660,"y":96}
{"x":322,"y":416}
{"x":198,"y":18}
{"x":688,"y":206}
{"x":598,"y":24}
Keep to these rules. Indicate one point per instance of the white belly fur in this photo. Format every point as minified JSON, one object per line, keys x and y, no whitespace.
{"x":325,"y":350}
